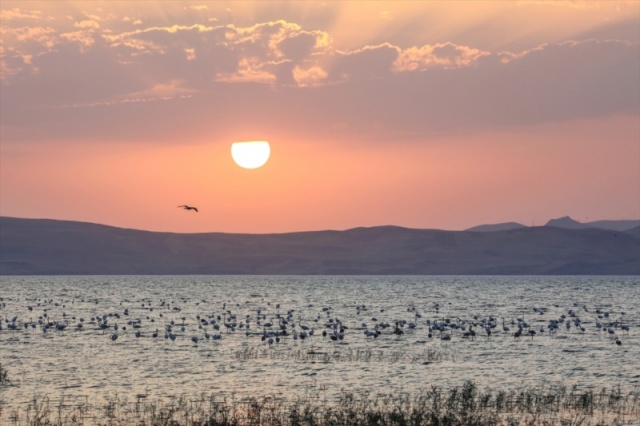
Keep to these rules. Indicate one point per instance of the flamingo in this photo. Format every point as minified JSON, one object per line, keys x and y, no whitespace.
{"x":504,"y":327}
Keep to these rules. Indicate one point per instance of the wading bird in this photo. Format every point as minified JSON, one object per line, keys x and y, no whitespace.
{"x":186,"y":207}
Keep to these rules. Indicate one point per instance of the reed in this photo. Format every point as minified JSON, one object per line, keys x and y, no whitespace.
{"x":434,"y":405}
{"x":4,"y":383}
{"x":4,"y":377}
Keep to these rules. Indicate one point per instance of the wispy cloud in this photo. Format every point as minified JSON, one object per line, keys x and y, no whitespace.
{"x":17,"y":13}
{"x":87,"y":24}
{"x":444,"y":55}
{"x":200,"y":7}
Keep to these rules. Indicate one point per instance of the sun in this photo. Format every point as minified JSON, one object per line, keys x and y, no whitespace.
{"x":251,"y":154}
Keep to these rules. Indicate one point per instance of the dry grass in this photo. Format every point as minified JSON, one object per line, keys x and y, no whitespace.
{"x":460,"y":405}
{"x":4,"y":377}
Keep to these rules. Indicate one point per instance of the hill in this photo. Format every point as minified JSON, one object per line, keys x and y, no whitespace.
{"x":615,"y":225}
{"x":611,"y":225}
{"x":51,"y":247}
{"x":564,"y":222}
{"x":634,"y":231}
{"x":507,"y":226}
{"x":567,"y":223}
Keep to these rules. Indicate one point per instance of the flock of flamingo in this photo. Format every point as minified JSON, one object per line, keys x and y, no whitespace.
{"x":275,"y":325}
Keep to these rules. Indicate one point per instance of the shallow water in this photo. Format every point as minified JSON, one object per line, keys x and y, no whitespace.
{"x":86,"y":364}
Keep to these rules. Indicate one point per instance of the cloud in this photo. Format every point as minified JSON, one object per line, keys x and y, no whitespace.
{"x":367,"y":62}
{"x":155,"y":39}
{"x":249,"y":70}
{"x":298,"y":46}
{"x":275,"y":48}
{"x":173,"y":89}
{"x":262,"y":53}
{"x":44,"y":36}
{"x":16,"y":13}
{"x":87,"y":24}
{"x":190,"y":53}
{"x":21,"y":45}
{"x":555,"y":82}
{"x":13,"y":64}
{"x":312,"y":76}
{"x":383,"y":90}
{"x":270,"y":52}
{"x":444,"y":55}
{"x":84,"y":38}
{"x":93,"y":17}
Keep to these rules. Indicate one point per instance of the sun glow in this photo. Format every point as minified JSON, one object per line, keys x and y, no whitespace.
{"x":250,"y":155}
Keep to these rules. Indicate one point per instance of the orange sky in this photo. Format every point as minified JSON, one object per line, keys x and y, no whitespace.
{"x":417,"y":114}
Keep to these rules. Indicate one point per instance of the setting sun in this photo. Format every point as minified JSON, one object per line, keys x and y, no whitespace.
{"x":250,"y":155}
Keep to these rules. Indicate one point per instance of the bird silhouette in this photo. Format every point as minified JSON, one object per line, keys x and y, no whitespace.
{"x":184,"y":206}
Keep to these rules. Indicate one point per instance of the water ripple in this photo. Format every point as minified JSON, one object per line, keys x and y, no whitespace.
{"x":90,"y":362}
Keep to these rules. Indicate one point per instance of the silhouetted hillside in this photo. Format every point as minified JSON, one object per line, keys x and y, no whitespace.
{"x":611,"y":225}
{"x":614,"y":225}
{"x":567,"y":223}
{"x":48,"y":247}
{"x":497,"y":227}
{"x":634,"y":231}
{"x":564,"y":222}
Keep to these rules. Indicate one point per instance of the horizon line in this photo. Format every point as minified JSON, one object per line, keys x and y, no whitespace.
{"x":470,"y":229}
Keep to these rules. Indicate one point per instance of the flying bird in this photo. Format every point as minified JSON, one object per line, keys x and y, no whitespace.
{"x":184,"y":206}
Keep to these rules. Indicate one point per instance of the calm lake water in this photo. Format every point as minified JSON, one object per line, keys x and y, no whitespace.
{"x":85,"y":363}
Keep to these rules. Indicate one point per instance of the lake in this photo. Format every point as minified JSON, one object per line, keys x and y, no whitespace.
{"x":58,"y":335}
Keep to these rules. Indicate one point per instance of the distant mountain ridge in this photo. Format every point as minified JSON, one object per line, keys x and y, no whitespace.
{"x":52,"y":247}
{"x":567,"y":223}
{"x":612,"y":225}
{"x":564,"y":222}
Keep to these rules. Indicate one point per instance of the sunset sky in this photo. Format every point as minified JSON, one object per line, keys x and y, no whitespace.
{"x":419,"y":114}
